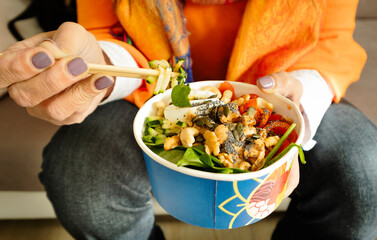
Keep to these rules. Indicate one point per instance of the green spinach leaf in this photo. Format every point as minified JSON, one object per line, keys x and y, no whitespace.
{"x":173,"y":155}
{"x":191,"y":158}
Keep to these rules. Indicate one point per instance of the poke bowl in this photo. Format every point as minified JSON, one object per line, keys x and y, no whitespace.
{"x":222,"y":197}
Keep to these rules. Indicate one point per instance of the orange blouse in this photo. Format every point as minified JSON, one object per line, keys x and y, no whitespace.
{"x":222,"y":42}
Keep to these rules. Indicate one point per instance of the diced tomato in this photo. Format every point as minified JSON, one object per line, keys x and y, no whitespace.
{"x":262,"y":116}
{"x":280,"y":127}
{"x":275,"y":117}
{"x":247,"y":105}
{"x":227,"y":86}
{"x":241,"y":109}
{"x":253,"y":96}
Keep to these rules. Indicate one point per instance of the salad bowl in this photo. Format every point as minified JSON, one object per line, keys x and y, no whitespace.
{"x":218,"y":200}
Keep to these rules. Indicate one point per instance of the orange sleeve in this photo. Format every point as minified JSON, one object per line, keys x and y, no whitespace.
{"x":98,"y":17}
{"x":336,"y":56}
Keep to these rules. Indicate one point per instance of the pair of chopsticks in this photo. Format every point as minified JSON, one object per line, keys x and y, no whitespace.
{"x":125,"y":71}
{"x":119,"y":71}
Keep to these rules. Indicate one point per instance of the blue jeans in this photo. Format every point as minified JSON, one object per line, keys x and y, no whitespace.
{"x":337,"y":194}
{"x":95,"y":177}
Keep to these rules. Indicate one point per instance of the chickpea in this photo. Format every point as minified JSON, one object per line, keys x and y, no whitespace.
{"x":227,"y":96}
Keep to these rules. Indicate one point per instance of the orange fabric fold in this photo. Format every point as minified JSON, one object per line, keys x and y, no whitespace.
{"x":211,"y":47}
{"x":272,"y":36}
{"x":98,"y":20}
{"x":336,"y":56}
{"x":146,"y":30}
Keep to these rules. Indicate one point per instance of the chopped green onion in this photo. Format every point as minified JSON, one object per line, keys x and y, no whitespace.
{"x":289,"y":147}
{"x":280,"y":142}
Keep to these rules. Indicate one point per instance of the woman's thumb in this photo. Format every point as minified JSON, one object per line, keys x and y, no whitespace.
{"x":282,"y":83}
{"x":266,"y":84}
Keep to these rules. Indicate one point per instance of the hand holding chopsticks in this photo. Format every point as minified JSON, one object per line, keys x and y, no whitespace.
{"x":161,"y":72}
{"x":120,"y":71}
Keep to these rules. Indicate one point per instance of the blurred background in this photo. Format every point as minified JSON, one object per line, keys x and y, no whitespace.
{"x":25,"y":212}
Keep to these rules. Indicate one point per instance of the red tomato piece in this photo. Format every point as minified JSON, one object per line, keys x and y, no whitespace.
{"x":275,"y":117}
{"x":249,"y":104}
{"x":280,"y":128}
{"x":253,"y":96}
{"x":241,"y":109}
{"x":262,"y":116}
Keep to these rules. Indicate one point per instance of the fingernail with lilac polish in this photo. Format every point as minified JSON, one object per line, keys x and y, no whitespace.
{"x":266,"y":82}
{"x":41,"y":60}
{"x":77,"y":66}
{"x":103,"y":83}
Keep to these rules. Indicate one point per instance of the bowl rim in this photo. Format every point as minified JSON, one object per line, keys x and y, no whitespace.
{"x":140,"y":119}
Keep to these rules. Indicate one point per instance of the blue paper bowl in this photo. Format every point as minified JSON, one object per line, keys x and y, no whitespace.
{"x":212,"y":200}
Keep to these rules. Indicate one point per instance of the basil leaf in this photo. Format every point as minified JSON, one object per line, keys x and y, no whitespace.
{"x":179,"y":95}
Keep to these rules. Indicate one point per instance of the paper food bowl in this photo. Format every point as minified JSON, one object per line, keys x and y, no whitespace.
{"x":212,"y":200}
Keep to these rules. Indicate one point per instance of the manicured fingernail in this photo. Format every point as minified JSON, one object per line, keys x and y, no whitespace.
{"x":266,"y":82}
{"x":103,"y":83}
{"x":77,"y":66}
{"x":41,"y":60}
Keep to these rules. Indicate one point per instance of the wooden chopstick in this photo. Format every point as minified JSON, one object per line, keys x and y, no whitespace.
{"x":124,"y":71}
{"x":118,"y":71}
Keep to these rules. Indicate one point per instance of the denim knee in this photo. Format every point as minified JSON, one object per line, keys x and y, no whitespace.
{"x":96,"y":178}
{"x":344,"y":166}
{"x":335,"y":198}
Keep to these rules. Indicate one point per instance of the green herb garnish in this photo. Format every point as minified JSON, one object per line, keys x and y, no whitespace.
{"x":179,"y":95}
{"x":270,"y":160}
{"x":280,"y":142}
{"x":282,"y":153}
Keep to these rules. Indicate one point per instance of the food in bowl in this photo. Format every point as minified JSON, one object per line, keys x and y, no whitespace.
{"x":209,"y":198}
{"x":219,"y":132}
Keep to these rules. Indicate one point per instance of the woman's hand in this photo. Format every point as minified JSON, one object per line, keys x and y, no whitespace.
{"x":284,"y":84}
{"x":48,"y":74}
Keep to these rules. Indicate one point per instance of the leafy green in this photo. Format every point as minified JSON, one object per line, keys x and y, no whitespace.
{"x":179,"y":95}
{"x":191,"y":158}
{"x":173,"y":155}
{"x":194,"y":157}
{"x":200,"y":149}
{"x":206,"y":159}
{"x":152,"y":144}
{"x":182,"y":76}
